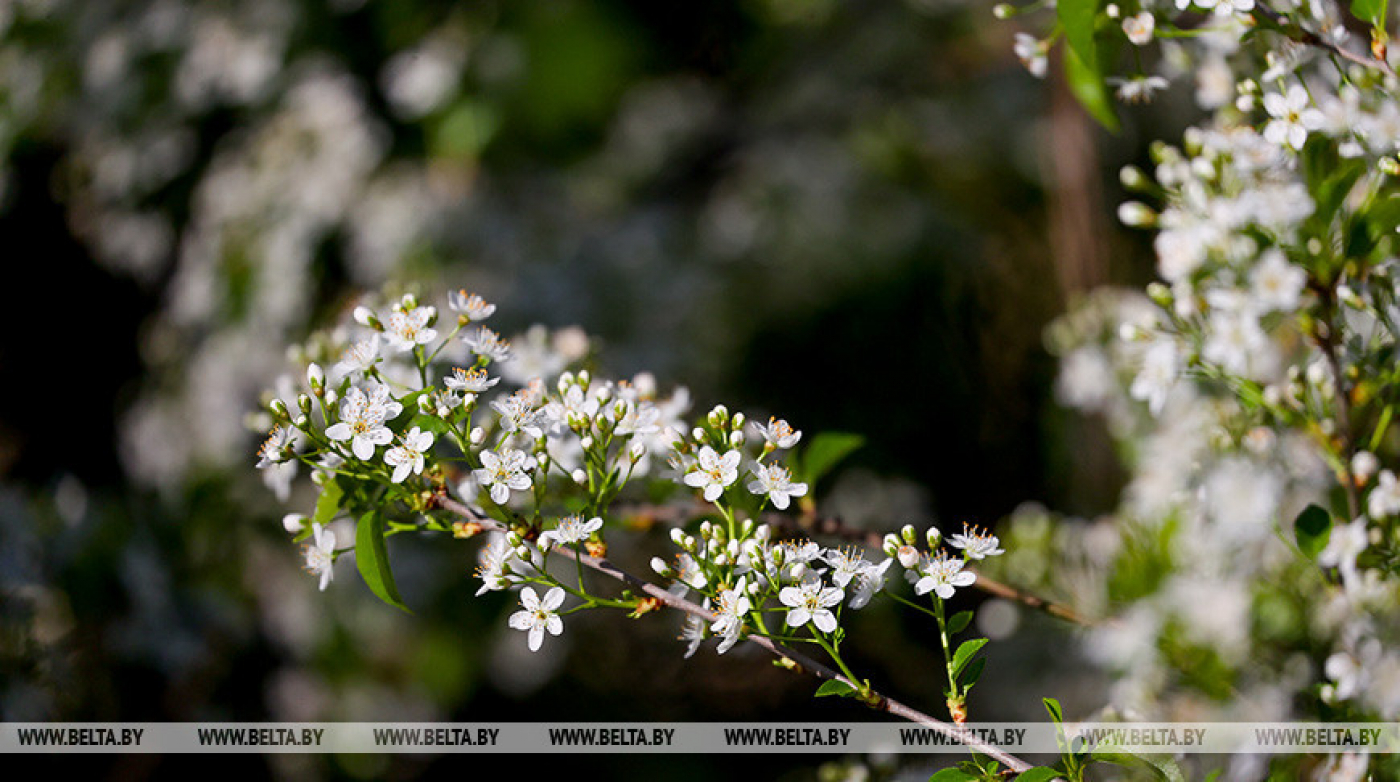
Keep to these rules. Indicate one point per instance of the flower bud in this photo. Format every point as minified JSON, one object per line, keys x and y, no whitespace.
{"x":301,"y":421}
{"x":736,"y":438}
{"x":763,"y":533}
{"x":1389,"y":166}
{"x":722,"y":559}
{"x":522,"y":552}
{"x":661,"y":567}
{"x":890,"y":545}
{"x":304,"y":403}
{"x":909,"y":534}
{"x":1364,"y":465}
{"x":799,"y":570}
{"x":425,"y":405}
{"x":513,"y":538}
{"x":1133,"y":178}
{"x":1136,"y":214}
{"x":278,"y":407}
{"x":294,"y":522}
{"x":1112,"y":11}
{"x":315,"y":377}
{"x":733,"y":548}
{"x":586,"y":442}
{"x":477,"y":436}
{"x":1003,"y":11}
{"x":580,"y":477}
{"x":1160,"y":294}
{"x":637,"y":450}
{"x":934,"y":537}
{"x":718,"y":417}
{"x":908,"y":556}
{"x":738,"y":421}
{"x":746,"y":528}
{"x":706,"y":530}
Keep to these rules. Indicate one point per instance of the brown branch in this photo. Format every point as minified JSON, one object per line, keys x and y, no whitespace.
{"x":1298,"y":34}
{"x":877,"y":702}
{"x":833,"y":526}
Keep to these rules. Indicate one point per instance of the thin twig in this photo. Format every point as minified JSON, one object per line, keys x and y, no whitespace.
{"x":1298,"y":34}
{"x":833,"y":526}
{"x":878,"y":702}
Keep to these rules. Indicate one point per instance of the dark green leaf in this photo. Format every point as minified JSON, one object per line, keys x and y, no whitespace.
{"x":1053,"y":706}
{"x":1077,"y":17}
{"x":959,"y":622}
{"x":1039,"y":774}
{"x":964,"y":653}
{"x":834,"y":687}
{"x":1090,"y":90}
{"x":825,"y":452}
{"x":1312,"y":528}
{"x":328,"y":504}
{"x":974,"y":672}
{"x":372,"y":558}
{"x":1371,"y":12}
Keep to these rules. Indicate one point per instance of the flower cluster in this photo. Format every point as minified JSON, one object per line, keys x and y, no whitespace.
{"x":415,"y":415}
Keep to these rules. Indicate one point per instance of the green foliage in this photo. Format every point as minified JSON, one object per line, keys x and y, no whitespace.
{"x":823,"y":454}
{"x":1089,"y":88}
{"x":1372,"y":12}
{"x":837,"y":688}
{"x":1312,"y":528}
{"x":372,"y":559}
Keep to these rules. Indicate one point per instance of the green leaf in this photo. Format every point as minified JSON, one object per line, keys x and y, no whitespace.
{"x":825,"y":452}
{"x":974,"y":672}
{"x":1053,"y":706}
{"x":952,"y":775}
{"x":1371,"y":12}
{"x":328,"y":504}
{"x":1039,"y":774}
{"x":1090,"y":89}
{"x":1312,"y":528}
{"x":964,"y":653}
{"x":1159,"y":768}
{"x":959,"y":622}
{"x":429,"y":423}
{"x":835,"y":687}
{"x":1077,"y":17}
{"x":372,"y":558}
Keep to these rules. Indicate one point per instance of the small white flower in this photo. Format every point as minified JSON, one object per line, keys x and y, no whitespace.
{"x":407,"y":456}
{"x":407,"y":329}
{"x":693,"y":632}
{"x":320,"y":554}
{"x":1293,"y":117}
{"x":811,"y":601}
{"x":362,"y":420}
{"x":277,"y":448}
{"x":1161,"y":363}
{"x":469,"y":381}
{"x":1276,"y":283}
{"x":942,"y":575}
{"x":1032,"y":53}
{"x":469,"y":304}
{"x":869,"y":583}
{"x":570,"y":529}
{"x":713,"y":472}
{"x":519,"y":414}
{"x":1139,"y":89}
{"x":539,"y":615}
{"x":846,"y":563}
{"x":487,"y":343}
{"x":976,"y":544}
{"x":359,"y":357}
{"x":729,"y":619}
{"x":775,"y":481}
{"x":503,"y":473}
{"x":494,"y":566}
{"x":778,"y":433}
{"x":1384,"y":500}
{"x":1139,"y":28}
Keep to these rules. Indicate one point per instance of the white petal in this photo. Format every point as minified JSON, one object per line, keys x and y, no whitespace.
{"x":536,"y":638}
{"x":825,"y":621}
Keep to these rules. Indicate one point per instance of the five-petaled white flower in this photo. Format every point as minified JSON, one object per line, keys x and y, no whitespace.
{"x":494,"y":566}
{"x":504,"y":472}
{"x":713,"y":472}
{"x":942,"y":575}
{"x":407,"y":456}
{"x":470,"y":305}
{"x":362,"y":420}
{"x":811,"y":601}
{"x":778,"y":433}
{"x":571,"y":529}
{"x":1293,"y":117}
{"x":359,"y":357}
{"x":869,"y":583}
{"x":487,"y":343}
{"x":846,"y":563}
{"x":469,"y":381}
{"x":775,"y":481}
{"x":539,"y":615}
{"x":320,"y":554}
{"x":276,"y":448}
{"x":729,"y":619}
{"x":407,"y":329}
{"x":975,"y":543}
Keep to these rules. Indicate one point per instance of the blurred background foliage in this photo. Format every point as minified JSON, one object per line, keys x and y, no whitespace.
{"x":855,"y":215}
